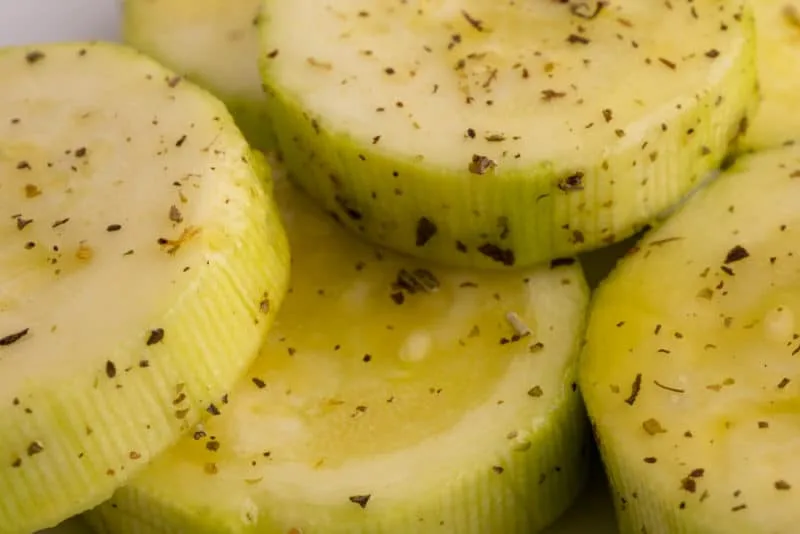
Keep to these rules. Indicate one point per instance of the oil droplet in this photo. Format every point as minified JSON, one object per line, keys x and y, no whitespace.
{"x":779,"y":324}
{"x":416,"y":347}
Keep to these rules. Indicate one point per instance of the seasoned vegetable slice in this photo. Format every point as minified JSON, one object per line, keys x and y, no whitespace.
{"x":141,"y":261}
{"x":778,"y":45}
{"x":391,"y":396}
{"x":501,"y":134}
{"x":214,"y":43}
{"x":690,"y":369}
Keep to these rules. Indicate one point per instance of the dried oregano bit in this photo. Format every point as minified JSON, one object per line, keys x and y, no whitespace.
{"x":34,"y":448}
{"x":155,"y":336}
{"x":260,"y":384}
{"x":550,"y":94}
{"x":361,"y":500}
{"x":660,"y":242}
{"x":668,"y":388}
{"x":572,"y":182}
{"x":263,"y":305}
{"x":175,"y":214}
{"x":426,"y":279}
{"x":536,"y":347}
{"x":653,"y":427}
{"x":32,"y":191}
{"x":535,"y":392}
{"x":505,"y":256}
{"x":782,"y":485}
{"x":425,"y":231}
{"x":636,"y":387}
{"x":475,"y":23}
{"x":584,"y":11}
{"x":418,"y":281}
{"x":481,"y":164}
{"x":735,"y":254}
{"x":689,"y":483}
{"x":199,"y":432}
{"x":10,"y":339}
{"x":574,"y":38}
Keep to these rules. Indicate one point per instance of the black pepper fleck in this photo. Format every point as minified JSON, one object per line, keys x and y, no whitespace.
{"x":156,"y":336}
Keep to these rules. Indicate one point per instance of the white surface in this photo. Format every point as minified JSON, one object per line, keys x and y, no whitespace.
{"x":27,"y":21}
{"x":37,"y":21}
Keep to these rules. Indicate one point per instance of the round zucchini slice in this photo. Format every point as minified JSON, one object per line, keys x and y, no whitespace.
{"x":502,"y":134}
{"x":142,"y":260}
{"x":690,"y":369}
{"x":215,"y":44}
{"x":391,"y":396}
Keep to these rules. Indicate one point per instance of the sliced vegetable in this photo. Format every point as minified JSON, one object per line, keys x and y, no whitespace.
{"x":214,"y":43}
{"x":778,"y":45}
{"x":392,"y":396}
{"x":690,"y":369}
{"x":501,"y":134}
{"x":141,"y":262}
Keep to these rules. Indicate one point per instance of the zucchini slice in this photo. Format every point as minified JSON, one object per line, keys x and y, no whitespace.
{"x":778,"y":45}
{"x":690,"y":372}
{"x":214,"y":43}
{"x":391,"y":396}
{"x":141,"y":261}
{"x":499,"y":134}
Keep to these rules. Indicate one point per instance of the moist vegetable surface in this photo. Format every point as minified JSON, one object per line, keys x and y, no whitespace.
{"x":453,"y":131}
{"x":141,"y":262}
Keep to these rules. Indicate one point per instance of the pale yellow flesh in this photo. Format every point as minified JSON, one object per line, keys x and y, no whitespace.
{"x":214,"y":43}
{"x":137,"y":245}
{"x":420,"y":405}
{"x":504,"y":134}
{"x":778,"y":45}
{"x":690,"y":371}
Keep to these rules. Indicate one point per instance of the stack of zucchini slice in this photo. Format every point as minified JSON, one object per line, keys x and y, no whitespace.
{"x":384,"y":325}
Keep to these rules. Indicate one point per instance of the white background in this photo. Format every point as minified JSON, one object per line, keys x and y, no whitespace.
{"x":25,"y":21}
